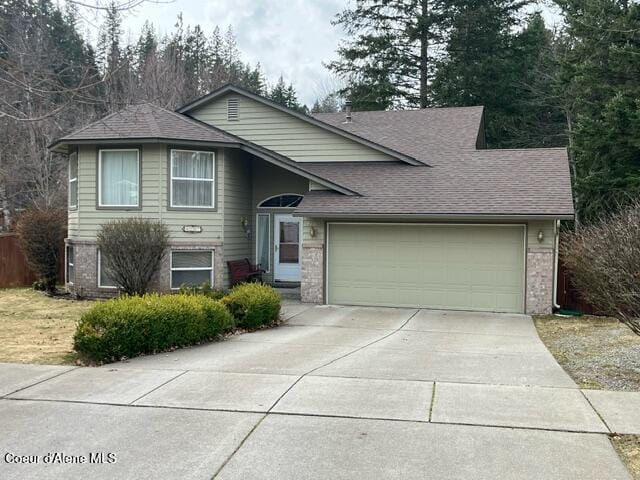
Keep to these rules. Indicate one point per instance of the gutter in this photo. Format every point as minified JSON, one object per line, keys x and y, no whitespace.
{"x":437,"y":216}
{"x":556,"y":254}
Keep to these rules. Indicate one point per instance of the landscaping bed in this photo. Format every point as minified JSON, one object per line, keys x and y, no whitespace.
{"x":129,"y":326}
{"x":36,"y":328}
{"x":598,"y":353}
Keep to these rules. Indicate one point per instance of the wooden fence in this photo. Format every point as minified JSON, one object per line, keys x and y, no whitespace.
{"x":568,"y":297}
{"x":14,"y":271}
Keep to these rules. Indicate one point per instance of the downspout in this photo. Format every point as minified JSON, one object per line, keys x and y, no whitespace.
{"x":556,"y":255}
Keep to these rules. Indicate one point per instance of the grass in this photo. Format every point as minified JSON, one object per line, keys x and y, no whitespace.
{"x":598,"y":353}
{"x":35,"y":328}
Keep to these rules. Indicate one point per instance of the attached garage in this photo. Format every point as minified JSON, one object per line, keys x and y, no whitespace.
{"x":442,"y":266}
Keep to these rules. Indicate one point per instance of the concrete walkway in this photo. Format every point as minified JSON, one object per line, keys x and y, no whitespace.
{"x":339,"y":392}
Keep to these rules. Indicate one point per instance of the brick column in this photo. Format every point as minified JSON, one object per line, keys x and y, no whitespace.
{"x":312,"y":281}
{"x":539,"y":280}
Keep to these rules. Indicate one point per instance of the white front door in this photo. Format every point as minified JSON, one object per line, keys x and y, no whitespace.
{"x":287,"y":240}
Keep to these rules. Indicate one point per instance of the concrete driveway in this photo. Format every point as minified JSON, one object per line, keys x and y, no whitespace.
{"x":339,"y":392}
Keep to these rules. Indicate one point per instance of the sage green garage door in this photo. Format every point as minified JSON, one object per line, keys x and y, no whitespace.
{"x":457,"y":267}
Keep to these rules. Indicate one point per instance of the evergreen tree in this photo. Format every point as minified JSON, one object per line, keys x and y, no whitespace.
{"x":481,"y":66}
{"x":279,"y":92}
{"x":329,"y":104}
{"x":388,"y":58}
{"x":601,"y":83}
{"x":539,"y":116}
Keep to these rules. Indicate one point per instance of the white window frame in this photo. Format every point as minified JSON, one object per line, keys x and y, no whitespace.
{"x":67,"y":264}
{"x":112,"y":287}
{"x":190,"y":269}
{"x":212,"y":180}
{"x":74,"y":204}
{"x":259,"y":205}
{"x":137,"y":150}
{"x":268,"y":215}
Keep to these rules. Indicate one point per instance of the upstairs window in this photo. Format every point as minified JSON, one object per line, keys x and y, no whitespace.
{"x":73,"y":180}
{"x":119,"y":178}
{"x":233,"y":109}
{"x":192,"y":179}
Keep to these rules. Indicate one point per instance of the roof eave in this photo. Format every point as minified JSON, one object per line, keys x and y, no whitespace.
{"x":61,"y":145}
{"x":436,"y":216}
{"x":314,"y":121}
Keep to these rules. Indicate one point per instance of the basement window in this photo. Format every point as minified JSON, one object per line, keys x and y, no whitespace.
{"x":71,"y":265}
{"x":191,"y":268}
{"x":233,"y":109}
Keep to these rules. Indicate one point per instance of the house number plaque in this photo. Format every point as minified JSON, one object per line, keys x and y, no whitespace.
{"x":192,"y":229}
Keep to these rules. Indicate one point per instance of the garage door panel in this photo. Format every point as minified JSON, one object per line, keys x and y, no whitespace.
{"x":433,"y":266}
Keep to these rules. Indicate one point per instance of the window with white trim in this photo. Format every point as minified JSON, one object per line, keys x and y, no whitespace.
{"x":104,"y":280}
{"x":119,"y":178}
{"x":262,"y":241}
{"x":73,"y":180}
{"x":281,"y":201}
{"x":192,"y":179}
{"x":71,"y":265}
{"x":191,"y":268}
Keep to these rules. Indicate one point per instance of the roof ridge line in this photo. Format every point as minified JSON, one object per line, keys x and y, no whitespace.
{"x":307,"y":118}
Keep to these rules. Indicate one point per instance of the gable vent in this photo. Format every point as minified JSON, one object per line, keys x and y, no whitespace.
{"x":233,"y":109}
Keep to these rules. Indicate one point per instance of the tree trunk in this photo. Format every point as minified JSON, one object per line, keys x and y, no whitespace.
{"x":572,"y":167}
{"x":424,"y":54}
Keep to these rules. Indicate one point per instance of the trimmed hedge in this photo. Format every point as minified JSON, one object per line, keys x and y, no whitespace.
{"x":253,"y":305}
{"x":130,"y":326}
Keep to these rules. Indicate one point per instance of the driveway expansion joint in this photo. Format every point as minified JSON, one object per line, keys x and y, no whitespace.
{"x":38,"y":382}
{"x":158,"y":387}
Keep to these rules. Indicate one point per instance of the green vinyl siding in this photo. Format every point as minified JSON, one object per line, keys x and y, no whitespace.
{"x":459,"y":267}
{"x":237,"y":207}
{"x":284,"y":133}
{"x":86,"y":220}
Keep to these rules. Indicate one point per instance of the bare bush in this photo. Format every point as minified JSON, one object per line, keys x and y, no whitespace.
{"x":40,"y":233}
{"x":131,"y":252}
{"x":604,"y":261}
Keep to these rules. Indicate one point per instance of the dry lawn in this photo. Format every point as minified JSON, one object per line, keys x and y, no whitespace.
{"x":35,"y":328}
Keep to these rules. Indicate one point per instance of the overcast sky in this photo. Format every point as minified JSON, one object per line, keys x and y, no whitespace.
{"x":288,"y":37}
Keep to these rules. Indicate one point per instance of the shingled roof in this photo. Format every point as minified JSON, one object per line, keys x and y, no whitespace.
{"x":146,"y":121}
{"x":528,"y":182}
{"x":423,"y":134}
{"x":454,"y":176}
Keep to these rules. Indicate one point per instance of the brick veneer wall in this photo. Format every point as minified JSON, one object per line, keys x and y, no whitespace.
{"x":86,"y":269}
{"x":539,"y":280}
{"x":312,"y":281}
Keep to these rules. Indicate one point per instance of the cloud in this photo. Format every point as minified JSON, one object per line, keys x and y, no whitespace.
{"x":291,"y":38}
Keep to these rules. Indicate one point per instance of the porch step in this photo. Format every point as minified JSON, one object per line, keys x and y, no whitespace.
{"x":288,"y":291}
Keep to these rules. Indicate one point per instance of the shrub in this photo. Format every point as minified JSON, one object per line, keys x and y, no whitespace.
{"x":604,"y":262}
{"x":253,"y":305}
{"x":40,"y":233}
{"x":204,"y":289}
{"x":131,"y":251}
{"x":130,"y":326}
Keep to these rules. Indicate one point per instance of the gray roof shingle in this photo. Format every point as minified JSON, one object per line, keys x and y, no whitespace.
{"x":422,"y":134}
{"x":147,"y":121}
{"x":483,"y":182}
